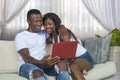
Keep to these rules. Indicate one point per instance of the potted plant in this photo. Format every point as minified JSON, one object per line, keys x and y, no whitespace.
{"x":114,"y":52}
{"x":115,"y":41}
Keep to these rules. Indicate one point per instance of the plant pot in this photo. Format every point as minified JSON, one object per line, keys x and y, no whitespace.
{"x":114,"y":55}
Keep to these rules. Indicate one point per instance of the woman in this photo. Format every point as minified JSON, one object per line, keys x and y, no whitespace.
{"x":83,"y":61}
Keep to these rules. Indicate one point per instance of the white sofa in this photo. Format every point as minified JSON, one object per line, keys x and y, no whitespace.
{"x":9,"y":64}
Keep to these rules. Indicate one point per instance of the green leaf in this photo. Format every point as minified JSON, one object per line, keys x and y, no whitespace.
{"x":115,"y":41}
{"x":97,"y":35}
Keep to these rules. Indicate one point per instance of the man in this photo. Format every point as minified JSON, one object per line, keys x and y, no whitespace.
{"x":34,"y":64}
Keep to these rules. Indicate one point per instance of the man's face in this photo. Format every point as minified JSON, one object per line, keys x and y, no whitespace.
{"x":35,"y":23}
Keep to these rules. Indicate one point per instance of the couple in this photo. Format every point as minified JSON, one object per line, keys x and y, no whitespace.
{"x":34,"y":64}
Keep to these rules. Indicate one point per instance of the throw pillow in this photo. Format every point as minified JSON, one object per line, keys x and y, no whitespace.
{"x":98,"y":48}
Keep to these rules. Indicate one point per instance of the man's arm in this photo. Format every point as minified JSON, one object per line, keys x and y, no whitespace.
{"x":47,"y":60}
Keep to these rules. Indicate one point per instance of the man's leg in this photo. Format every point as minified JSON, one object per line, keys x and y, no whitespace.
{"x":31,"y":72}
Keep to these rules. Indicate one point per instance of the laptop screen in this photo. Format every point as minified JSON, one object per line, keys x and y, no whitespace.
{"x":65,"y":50}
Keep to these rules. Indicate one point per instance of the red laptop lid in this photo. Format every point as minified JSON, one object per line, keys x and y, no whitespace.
{"x":65,"y":50}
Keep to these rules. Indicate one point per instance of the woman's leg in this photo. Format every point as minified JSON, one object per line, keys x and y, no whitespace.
{"x":77,"y":67}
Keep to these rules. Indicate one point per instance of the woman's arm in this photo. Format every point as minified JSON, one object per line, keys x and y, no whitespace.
{"x":64,"y":33}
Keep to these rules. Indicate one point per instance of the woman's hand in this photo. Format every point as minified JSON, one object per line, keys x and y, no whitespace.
{"x":64,"y":34}
{"x":70,"y":61}
{"x":62,"y":65}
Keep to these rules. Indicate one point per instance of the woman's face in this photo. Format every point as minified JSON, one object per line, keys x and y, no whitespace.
{"x":49,"y":25}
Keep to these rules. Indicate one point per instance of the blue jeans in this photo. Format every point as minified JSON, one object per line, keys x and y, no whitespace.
{"x":26,"y":68}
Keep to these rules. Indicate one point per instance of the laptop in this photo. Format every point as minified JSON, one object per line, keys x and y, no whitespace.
{"x":65,"y":50}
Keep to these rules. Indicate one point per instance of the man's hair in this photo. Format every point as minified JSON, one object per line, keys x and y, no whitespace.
{"x":33,"y":11}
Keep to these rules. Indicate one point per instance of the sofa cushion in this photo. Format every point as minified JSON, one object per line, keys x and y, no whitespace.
{"x":98,"y":48}
{"x":17,"y":77}
{"x":11,"y":77}
{"x":8,"y":57}
{"x":101,"y":71}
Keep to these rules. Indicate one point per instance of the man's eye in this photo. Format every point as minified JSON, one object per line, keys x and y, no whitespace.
{"x":50,"y":24}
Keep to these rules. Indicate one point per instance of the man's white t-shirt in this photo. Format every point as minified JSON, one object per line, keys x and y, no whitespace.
{"x":35,"y":42}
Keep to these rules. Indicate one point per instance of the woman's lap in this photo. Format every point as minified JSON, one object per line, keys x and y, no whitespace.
{"x":88,"y":58}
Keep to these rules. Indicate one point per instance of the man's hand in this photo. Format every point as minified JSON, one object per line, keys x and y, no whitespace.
{"x":48,"y":61}
{"x":64,"y":34}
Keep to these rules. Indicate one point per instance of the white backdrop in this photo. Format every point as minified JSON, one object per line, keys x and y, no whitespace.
{"x":73,"y":14}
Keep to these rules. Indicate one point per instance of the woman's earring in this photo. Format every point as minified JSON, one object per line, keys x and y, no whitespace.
{"x":54,"y":29}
